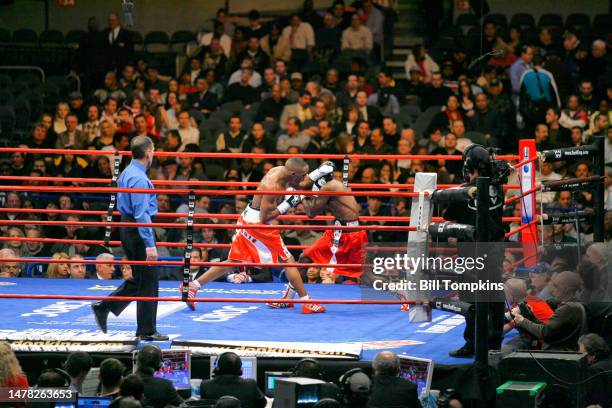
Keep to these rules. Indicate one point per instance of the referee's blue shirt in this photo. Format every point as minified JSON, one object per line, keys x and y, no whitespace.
{"x":140,"y":206}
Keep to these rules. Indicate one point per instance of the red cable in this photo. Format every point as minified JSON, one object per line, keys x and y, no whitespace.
{"x":211,"y":300}
{"x":509,"y":157}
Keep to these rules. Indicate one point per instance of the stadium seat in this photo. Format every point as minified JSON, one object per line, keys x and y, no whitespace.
{"x":522,"y":20}
{"x":5,"y":81}
{"x":51,"y":37}
{"x":467,"y":19}
{"x":6,"y":97}
{"x":60,"y":82}
{"x":5,"y":36}
{"x":233,"y":107}
{"x":423,"y":121}
{"x":37,"y":106}
{"x":73,"y":37}
{"x":180,"y":39}
{"x":156,"y":41}
{"x":453,"y":32}
{"x":412,"y":112}
{"x":25,"y":36}
{"x":138,"y":41}
{"x":7,"y":122}
{"x":530,"y":35}
{"x":602,"y":24}
{"x":550,"y":20}
{"x":197,"y":115}
{"x":19,"y":88}
{"x":577,"y":21}
{"x":22,"y":113}
{"x":499,"y":19}
{"x":222,"y":115}
{"x":33,"y":80}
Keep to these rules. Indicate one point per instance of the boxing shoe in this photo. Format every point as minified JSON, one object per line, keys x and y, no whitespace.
{"x":101,"y":315}
{"x":311,"y":308}
{"x":288,"y":294}
{"x":192,"y":294}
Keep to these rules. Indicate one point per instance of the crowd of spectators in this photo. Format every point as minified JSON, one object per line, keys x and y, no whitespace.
{"x":280,"y":87}
{"x":380,"y":385}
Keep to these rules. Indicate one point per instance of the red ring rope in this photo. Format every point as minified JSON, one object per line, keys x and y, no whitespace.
{"x":363,"y":218}
{"x":70,"y":189}
{"x":509,"y":157}
{"x":180,"y":263}
{"x":221,"y":183}
{"x":211,"y":300}
{"x":212,"y":226}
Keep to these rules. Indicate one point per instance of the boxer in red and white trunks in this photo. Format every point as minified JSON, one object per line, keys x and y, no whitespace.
{"x":266,"y":245}
{"x":336,"y":246}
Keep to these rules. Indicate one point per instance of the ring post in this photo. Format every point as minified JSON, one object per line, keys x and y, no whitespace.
{"x":482,"y":236}
{"x":527,"y":181}
{"x":421,"y":212}
{"x":598,"y":197}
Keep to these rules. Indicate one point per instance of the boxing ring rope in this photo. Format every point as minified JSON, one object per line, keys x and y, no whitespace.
{"x":70,"y":189}
{"x":218,"y":183}
{"x":363,"y":218}
{"x":220,"y":226}
{"x":211,"y":300}
{"x":274,"y":156}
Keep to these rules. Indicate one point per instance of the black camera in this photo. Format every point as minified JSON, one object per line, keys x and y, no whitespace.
{"x":500,"y":169}
{"x":445,"y":398}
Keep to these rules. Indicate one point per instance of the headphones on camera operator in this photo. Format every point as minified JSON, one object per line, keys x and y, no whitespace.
{"x":478,"y":157}
{"x":308,"y":368}
{"x":222,"y":367}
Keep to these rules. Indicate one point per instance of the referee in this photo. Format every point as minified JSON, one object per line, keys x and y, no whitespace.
{"x":138,"y":244}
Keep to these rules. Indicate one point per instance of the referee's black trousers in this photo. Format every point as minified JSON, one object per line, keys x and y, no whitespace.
{"x":145,"y":282}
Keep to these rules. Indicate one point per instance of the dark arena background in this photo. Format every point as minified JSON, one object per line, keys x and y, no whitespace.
{"x":318,"y":203}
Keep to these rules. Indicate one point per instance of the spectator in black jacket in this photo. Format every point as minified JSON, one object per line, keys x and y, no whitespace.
{"x":242,"y":91}
{"x":435,"y":94}
{"x":158,"y":392}
{"x":600,"y":369}
{"x":227,"y":380}
{"x":271,"y":108}
{"x":565,"y":326}
{"x":388,"y":389}
{"x":203,"y":100}
{"x":487,"y":121}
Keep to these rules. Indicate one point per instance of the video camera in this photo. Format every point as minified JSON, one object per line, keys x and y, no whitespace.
{"x":500,"y":169}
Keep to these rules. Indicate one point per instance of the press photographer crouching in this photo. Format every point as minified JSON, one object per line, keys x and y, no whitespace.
{"x":567,"y":323}
{"x":532,"y":308}
{"x":478,"y":161}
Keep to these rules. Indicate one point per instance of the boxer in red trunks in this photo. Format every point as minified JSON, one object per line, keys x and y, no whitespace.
{"x":336,"y":246}
{"x":266,"y":245}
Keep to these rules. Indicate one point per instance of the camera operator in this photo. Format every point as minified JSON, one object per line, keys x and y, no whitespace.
{"x":477,"y":162}
{"x":532,"y":307}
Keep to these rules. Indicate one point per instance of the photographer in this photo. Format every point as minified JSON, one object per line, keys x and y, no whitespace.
{"x":477,"y":162}
{"x":532,"y":307}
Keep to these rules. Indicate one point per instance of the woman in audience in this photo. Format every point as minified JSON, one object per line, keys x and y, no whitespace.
{"x":58,"y":270}
{"x":466,"y":97}
{"x":59,"y":120}
{"x":11,"y":374}
{"x":351,"y":118}
{"x":17,"y":246}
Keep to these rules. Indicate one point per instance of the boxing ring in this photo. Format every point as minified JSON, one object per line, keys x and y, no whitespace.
{"x":55,"y":315}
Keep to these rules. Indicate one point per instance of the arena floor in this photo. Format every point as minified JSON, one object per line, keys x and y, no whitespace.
{"x":375,"y":327}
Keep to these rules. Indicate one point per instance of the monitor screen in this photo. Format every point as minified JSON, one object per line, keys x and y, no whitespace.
{"x":307,"y":395}
{"x":271,"y":377}
{"x":249,"y":367}
{"x":93,"y":402}
{"x":417,"y":370}
{"x":176,"y":367}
